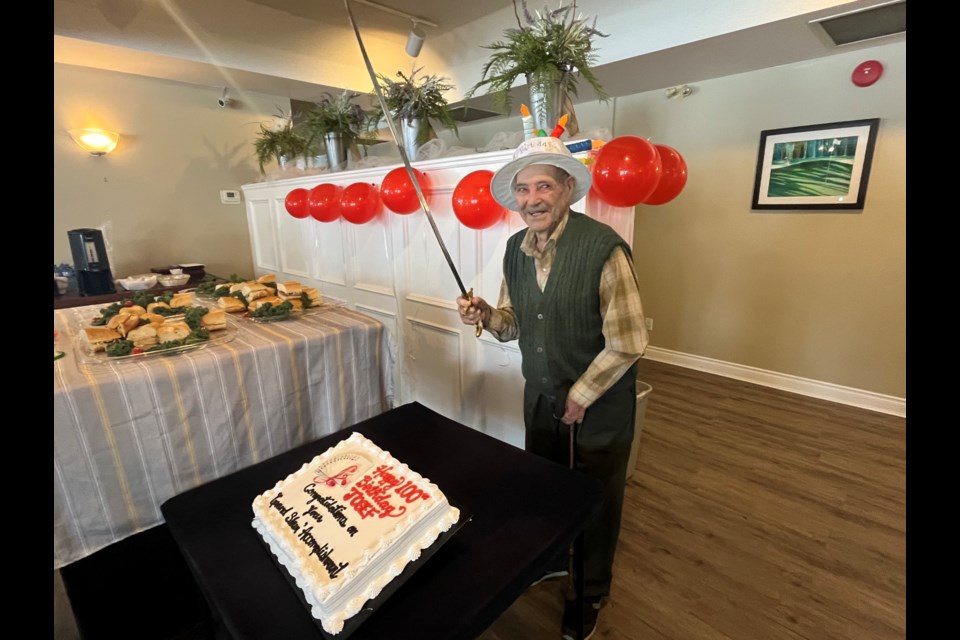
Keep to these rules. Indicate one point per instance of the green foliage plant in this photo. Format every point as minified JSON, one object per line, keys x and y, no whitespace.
{"x":272,"y":143}
{"x":336,"y":115}
{"x":411,"y":97}
{"x":553,"y":48}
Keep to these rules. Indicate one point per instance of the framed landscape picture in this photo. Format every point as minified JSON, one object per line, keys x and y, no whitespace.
{"x":816,"y":167}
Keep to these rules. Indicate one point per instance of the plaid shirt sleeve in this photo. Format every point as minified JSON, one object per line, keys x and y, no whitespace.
{"x":503,"y":321}
{"x":624,"y":329}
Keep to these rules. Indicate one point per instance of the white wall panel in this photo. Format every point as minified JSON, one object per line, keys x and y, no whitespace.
{"x":393,"y":269}
{"x":262,"y":234}
{"x":331,"y":263}
{"x":370,"y":260}
{"x":297,"y":245}
{"x":433,"y":364}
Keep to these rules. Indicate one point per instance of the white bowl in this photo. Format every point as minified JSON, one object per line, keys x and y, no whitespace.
{"x":174,"y":279}
{"x":138,"y":282}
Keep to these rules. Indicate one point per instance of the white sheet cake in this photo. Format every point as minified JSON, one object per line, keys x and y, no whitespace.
{"x":347,"y":523}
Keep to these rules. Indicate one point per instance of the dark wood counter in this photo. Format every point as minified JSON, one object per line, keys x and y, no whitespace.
{"x":69,"y":300}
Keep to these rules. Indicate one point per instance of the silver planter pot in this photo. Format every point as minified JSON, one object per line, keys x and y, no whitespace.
{"x":546,"y":102}
{"x":410,"y":130}
{"x":336,"y":151}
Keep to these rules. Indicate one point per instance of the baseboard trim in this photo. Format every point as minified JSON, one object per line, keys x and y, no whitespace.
{"x":804,"y":386}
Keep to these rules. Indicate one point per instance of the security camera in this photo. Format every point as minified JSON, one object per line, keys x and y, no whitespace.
{"x":224,"y":100}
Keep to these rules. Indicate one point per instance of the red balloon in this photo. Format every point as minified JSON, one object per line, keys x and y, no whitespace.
{"x":398,"y":193}
{"x":673,"y":178}
{"x":323,"y":202}
{"x":473,"y":204}
{"x":626,"y":171}
{"x":296,"y":203}
{"x":360,"y":203}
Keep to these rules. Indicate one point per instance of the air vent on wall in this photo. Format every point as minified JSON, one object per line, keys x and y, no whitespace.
{"x":865,"y":24}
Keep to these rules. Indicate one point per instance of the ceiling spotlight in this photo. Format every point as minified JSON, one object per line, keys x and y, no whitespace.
{"x":415,"y":40}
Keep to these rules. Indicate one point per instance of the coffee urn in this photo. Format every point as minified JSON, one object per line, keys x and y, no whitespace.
{"x":90,"y":262}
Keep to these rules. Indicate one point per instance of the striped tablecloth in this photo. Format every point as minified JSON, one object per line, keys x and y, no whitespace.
{"x":128,"y":436}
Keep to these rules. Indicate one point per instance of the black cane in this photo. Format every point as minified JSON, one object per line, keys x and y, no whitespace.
{"x":575,"y":555}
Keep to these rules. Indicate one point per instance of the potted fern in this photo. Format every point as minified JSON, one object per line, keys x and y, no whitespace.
{"x":282,"y":143}
{"x":339,"y":122}
{"x":415,"y":102}
{"x":552,"y":49}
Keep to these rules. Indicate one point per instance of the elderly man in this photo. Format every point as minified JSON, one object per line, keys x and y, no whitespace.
{"x":570,"y":296}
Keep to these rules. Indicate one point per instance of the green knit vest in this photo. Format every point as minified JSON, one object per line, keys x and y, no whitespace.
{"x":561,"y":327}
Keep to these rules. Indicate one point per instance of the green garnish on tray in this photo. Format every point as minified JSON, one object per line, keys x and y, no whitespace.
{"x":267,"y":310}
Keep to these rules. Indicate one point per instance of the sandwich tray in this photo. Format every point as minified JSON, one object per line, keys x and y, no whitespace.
{"x":88,"y":321}
{"x":85,"y":356}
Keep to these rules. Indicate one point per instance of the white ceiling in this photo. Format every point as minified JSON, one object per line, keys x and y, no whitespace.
{"x":273,"y":46}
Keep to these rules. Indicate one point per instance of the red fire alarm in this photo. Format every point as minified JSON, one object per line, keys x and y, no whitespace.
{"x":867,"y":73}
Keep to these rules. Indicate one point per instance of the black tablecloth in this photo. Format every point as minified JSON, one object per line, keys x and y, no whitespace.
{"x":524,"y":510}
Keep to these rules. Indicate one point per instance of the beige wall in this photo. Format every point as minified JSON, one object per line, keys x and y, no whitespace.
{"x":156,"y":197}
{"x":819,"y":295}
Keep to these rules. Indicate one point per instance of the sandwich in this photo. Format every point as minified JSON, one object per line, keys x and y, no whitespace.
{"x":237,"y":286}
{"x":171,"y":331}
{"x":253,"y":290}
{"x":289,"y":289}
{"x":181,"y":300}
{"x":214,"y":319}
{"x":153,"y":318}
{"x":259,"y":302}
{"x":157,"y":305}
{"x":267,"y":278}
{"x":123,"y":323}
{"x":296,"y":303}
{"x":97,"y":338}
{"x":143,"y":337}
{"x":135,"y":309}
{"x":314,"y":295}
{"x":230,"y":304}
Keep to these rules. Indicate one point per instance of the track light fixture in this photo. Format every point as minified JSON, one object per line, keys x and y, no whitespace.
{"x":415,"y":40}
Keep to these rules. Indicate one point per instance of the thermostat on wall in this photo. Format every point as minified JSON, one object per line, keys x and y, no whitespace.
{"x":229,"y":197}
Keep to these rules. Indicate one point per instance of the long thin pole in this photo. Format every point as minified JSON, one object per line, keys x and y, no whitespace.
{"x":406,"y":161}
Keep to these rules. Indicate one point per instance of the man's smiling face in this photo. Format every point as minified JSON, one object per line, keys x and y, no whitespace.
{"x":543,"y":193}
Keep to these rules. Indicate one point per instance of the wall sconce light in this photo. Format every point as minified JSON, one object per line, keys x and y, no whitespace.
{"x":96,"y":142}
{"x":415,"y":40}
{"x":680,"y":91}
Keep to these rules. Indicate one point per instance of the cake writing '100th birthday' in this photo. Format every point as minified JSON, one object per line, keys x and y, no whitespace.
{"x":347,"y":523}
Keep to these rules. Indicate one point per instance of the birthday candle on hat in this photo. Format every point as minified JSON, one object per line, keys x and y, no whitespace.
{"x":527,"y":119}
{"x":561,"y":126}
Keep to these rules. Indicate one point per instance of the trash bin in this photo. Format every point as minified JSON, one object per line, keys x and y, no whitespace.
{"x":643,"y":392}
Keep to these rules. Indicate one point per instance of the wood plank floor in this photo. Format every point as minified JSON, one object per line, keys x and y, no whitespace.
{"x":754,"y":514}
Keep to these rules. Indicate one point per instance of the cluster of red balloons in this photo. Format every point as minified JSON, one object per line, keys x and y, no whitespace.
{"x":629,"y":171}
{"x":359,"y":203}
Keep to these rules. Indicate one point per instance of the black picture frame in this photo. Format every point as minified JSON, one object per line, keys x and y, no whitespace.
{"x":822,"y":167}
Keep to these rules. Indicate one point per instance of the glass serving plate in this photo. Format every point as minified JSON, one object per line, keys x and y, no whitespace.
{"x":294,"y":315}
{"x":85,"y":356}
